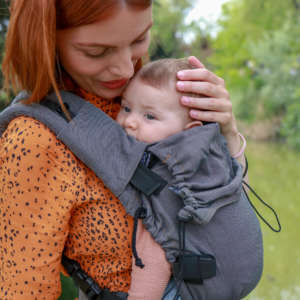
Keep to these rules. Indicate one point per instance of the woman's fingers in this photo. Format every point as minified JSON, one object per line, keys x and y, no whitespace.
{"x":210,"y":110}
{"x":194,"y":61}
{"x":207,"y":104}
{"x":200,"y":74}
{"x":211,"y":116}
{"x":203,"y":88}
{"x":213,"y":104}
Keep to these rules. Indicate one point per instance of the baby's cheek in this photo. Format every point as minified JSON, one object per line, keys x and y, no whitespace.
{"x":149,"y":134}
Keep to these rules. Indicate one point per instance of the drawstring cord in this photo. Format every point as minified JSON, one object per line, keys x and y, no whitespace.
{"x":181,"y":236}
{"x":264,"y":203}
{"x":139,"y":214}
{"x":261,"y":200}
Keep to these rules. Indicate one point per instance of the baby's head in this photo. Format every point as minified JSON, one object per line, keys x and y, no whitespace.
{"x":151,"y":109}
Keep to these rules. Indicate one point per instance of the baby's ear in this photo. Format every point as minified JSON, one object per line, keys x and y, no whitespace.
{"x":193,"y":124}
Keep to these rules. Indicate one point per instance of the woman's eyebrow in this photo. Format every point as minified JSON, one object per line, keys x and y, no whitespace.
{"x":95,"y":45}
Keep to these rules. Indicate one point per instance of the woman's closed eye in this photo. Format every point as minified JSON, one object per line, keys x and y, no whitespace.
{"x":96,"y":54}
{"x":143,"y":38}
{"x":140,"y":40}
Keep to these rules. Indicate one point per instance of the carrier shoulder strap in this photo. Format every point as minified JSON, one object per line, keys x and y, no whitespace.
{"x":82,"y":135}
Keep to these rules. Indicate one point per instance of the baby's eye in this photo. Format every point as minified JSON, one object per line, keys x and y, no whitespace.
{"x":150,"y":116}
{"x":126,"y":108}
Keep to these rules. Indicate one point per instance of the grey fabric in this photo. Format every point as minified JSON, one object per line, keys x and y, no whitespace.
{"x":204,"y":186}
{"x":205,"y":183}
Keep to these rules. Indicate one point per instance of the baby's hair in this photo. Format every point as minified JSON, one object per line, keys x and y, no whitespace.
{"x":162,"y":73}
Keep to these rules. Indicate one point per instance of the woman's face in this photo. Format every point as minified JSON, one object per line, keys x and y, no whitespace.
{"x":101,"y":57}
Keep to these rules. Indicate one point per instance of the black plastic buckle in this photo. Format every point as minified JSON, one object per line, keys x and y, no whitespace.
{"x":85,"y":282}
{"x":195,"y":268}
{"x":147,"y":181}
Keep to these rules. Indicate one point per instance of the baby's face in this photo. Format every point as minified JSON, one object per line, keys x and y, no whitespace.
{"x":150,"y":114}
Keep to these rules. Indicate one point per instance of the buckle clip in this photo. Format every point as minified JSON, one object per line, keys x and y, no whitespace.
{"x":195,"y":268}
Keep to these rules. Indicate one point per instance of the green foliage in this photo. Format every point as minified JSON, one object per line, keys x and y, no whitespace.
{"x":3,"y":27}
{"x":169,"y":28}
{"x":291,"y":125}
{"x":69,"y":289}
{"x":4,"y":14}
{"x":257,"y":52}
{"x":170,"y":32}
{"x":280,"y":71}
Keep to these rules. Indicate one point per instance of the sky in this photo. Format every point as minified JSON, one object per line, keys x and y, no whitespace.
{"x":207,"y":11}
{"x":210,"y":10}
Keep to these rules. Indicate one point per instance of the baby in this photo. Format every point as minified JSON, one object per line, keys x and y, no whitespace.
{"x":151,"y":111}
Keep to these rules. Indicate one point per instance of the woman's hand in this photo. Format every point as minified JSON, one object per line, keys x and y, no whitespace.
{"x":213,"y":103}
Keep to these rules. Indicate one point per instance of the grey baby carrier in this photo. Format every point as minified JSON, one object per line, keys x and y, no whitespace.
{"x":187,"y":189}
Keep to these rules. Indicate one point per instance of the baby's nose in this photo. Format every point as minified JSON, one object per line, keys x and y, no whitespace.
{"x":131,"y":122}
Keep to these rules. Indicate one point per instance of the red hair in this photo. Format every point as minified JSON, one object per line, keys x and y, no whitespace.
{"x":30,"y":50}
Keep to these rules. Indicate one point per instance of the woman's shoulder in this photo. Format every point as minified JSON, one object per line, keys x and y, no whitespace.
{"x":29,"y":132}
{"x":29,"y":139}
{"x":32,"y":142}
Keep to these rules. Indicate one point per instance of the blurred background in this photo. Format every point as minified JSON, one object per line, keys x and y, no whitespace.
{"x":255,"y":46}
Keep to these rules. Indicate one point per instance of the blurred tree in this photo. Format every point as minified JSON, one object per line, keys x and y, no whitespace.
{"x":4,"y":15}
{"x":199,"y":44}
{"x":170,"y":30}
{"x":277,"y":59}
{"x":257,"y":53}
{"x":245,"y":22}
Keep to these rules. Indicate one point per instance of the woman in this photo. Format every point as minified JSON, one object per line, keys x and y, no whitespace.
{"x":49,"y":200}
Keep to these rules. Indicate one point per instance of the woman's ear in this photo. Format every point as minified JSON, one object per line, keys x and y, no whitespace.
{"x":193,"y":124}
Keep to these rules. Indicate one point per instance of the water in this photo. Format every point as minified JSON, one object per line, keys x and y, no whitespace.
{"x":274,"y":172}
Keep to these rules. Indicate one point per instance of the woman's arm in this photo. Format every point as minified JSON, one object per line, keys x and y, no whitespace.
{"x":34,"y":213}
{"x":149,"y":282}
{"x":213,"y":104}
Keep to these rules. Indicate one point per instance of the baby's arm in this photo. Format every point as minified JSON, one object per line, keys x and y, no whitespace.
{"x":150,"y":282}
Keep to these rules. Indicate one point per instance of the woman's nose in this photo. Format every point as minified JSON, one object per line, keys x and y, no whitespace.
{"x":123,"y":64}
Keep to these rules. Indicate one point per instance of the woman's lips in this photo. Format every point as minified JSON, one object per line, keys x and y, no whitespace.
{"x":114,"y":84}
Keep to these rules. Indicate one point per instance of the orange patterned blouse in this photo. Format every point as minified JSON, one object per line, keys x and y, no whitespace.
{"x":49,"y":200}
